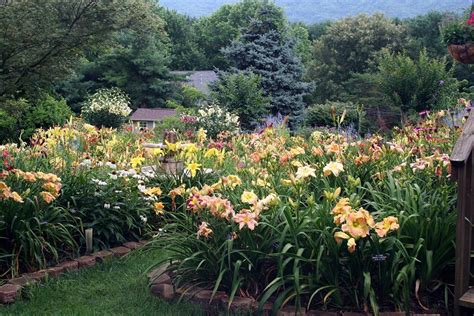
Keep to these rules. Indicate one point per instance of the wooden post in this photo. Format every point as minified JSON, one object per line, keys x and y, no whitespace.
{"x":462,"y":169}
{"x":89,"y":240}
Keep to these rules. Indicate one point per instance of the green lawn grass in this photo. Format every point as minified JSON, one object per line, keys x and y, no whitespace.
{"x":119,"y":287}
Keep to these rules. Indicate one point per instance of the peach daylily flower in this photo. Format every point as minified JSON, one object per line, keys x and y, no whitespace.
{"x":158,"y":207}
{"x":333,"y":148}
{"x":29,"y":177}
{"x":351,"y":243}
{"x":358,"y":223}
{"x":341,"y":211}
{"x":204,"y":230}
{"x":16,"y":197}
{"x":246,"y":218}
{"x":388,"y":224}
{"x":47,"y":197}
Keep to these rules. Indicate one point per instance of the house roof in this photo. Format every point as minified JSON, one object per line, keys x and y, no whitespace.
{"x":157,"y":114}
{"x":198,"y":79}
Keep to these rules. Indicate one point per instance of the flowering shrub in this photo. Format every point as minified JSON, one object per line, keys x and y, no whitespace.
{"x":107,"y":107}
{"x":214,"y":119}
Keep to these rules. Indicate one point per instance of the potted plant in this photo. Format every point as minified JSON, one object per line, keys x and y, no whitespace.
{"x":459,"y":37}
{"x":170,"y":164}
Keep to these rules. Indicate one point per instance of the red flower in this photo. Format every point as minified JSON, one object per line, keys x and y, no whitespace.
{"x":471,"y":19}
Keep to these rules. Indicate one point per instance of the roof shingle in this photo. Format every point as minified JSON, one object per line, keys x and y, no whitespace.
{"x":157,"y":114}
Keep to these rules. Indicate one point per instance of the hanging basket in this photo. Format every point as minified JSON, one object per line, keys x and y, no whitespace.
{"x":463,"y":53}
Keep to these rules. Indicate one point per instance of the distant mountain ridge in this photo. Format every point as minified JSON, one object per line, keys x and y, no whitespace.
{"x":310,"y":11}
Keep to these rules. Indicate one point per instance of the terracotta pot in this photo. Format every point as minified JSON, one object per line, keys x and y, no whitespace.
{"x":463,"y":53}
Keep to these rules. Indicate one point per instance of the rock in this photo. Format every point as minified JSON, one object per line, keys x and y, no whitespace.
{"x":132,"y":245}
{"x":321,"y":313}
{"x":241,"y":304}
{"x":22,"y":281}
{"x":161,"y":279}
{"x":102,"y":256}
{"x":164,"y":291}
{"x":119,"y":251}
{"x":85,"y":261}
{"x":158,"y":271}
{"x":291,"y":311}
{"x":69,"y":266}
{"x":8,"y":293}
{"x":54,"y":271}
{"x":37,"y":276}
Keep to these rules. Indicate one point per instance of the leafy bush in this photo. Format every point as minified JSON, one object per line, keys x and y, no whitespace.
{"x":107,"y":107}
{"x":46,"y":112}
{"x":109,"y":202}
{"x":334,"y":114}
{"x":416,"y":85}
{"x":22,"y":117}
{"x":241,"y":93}
{"x":12,"y":112}
{"x":192,"y":97}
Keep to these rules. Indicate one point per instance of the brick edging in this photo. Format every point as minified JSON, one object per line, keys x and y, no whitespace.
{"x":10,"y":291}
{"x":161,"y":286}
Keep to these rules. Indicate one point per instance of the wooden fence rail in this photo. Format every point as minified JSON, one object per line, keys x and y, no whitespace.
{"x":462,"y":172}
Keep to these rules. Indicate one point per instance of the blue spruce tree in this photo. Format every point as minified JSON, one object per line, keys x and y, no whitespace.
{"x":264,"y":49}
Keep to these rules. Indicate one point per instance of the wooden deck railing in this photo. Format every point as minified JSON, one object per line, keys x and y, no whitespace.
{"x":462,"y":171}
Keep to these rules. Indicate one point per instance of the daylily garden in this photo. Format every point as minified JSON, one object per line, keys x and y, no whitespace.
{"x":330,"y":220}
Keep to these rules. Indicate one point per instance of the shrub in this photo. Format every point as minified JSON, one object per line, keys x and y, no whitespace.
{"x":241,"y":93}
{"x":110,"y":202}
{"x":192,"y":97}
{"x":334,"y":114}
{"x":107,"y":108}
{"x":22,"y":117}
{"x":416,"y":85}
{"x":45,"y":113}
{"x":214,"y":119}
{"x":12,"y":113}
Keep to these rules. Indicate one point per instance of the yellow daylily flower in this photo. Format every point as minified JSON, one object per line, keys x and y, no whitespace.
{"x":305,"y":172}
{"x":193,"y":167}
{"x":136,"y":162}
{"x":249,"y":197}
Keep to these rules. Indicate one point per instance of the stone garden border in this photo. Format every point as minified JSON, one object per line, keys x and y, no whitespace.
{"x":161,"y":286}
{"x":10,"y":291}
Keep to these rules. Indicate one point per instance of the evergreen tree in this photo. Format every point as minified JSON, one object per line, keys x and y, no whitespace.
{"x":138,"y":65}
{"x":264,"y":50}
